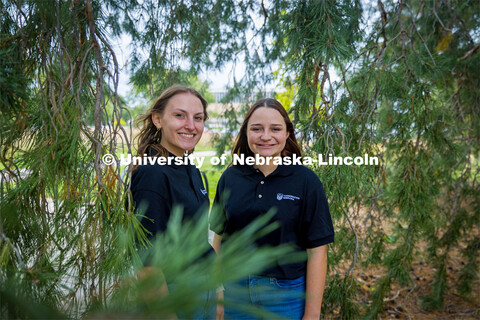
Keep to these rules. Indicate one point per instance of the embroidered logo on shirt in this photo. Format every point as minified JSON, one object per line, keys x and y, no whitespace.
{"x":281,"y":196}
{"x":203,"y":191}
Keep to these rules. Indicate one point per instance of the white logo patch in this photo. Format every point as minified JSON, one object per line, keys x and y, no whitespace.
{"x":203,"y":191}
{"x":281,"y":196}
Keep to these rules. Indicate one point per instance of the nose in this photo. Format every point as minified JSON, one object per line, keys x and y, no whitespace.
{"x":265,"y":136}
{"x":189,"y":124}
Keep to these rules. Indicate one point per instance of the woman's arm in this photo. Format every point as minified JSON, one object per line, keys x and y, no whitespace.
{"x":217,"y":241}
{"x":316,"y":275}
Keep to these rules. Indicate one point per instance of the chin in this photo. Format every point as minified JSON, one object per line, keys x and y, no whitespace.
{"x":269,"y":154}
{"x":189,"y":147}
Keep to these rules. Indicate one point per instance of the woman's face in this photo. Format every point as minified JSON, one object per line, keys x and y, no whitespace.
{"x":182,"y":123}
{"x":266,"y":132}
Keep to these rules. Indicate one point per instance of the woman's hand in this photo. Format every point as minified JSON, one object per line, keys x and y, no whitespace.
{"x":217,"y":241}
{"x":220,"y":310}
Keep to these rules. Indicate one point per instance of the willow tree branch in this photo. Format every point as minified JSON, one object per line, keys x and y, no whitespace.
{"x":98,"y":93}
{"x":355,"y":255}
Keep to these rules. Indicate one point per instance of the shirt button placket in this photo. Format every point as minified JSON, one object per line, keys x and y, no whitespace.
{"x":260,"y":195}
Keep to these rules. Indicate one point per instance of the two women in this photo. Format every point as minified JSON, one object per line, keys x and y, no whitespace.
{"x":173,"y":126}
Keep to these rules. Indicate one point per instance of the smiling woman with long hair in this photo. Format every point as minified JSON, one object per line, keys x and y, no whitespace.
{"x":292,"y":290}
{"x":171,"y":128}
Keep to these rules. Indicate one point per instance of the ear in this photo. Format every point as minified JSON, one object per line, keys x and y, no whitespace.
{"x":157,"y":120}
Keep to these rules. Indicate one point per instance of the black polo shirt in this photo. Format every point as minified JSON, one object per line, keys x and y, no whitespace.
{"x":156,"y":189}
{"x":302,"y":210}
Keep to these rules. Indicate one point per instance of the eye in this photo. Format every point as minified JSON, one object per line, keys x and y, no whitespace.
{"x":277,"y":129}
{"x":179,"y":115}
{"x":199,"y":118}
{"x":254,"y":129}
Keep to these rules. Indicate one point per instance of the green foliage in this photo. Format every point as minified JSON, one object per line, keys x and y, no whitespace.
{"x":381,"y":288}
{"x":342,"y":293}
{"x":396,"y":80}
{"x":469,"y":273}
{"x":190,"y":272}
{"x":225,"y":142}
{"x":435,"y":299}
{"x":156,"y":83}
{"x":136,"y":293}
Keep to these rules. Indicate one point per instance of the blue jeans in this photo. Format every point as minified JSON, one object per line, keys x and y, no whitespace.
{"x":282,"y":298}
{"x":205,"y":312}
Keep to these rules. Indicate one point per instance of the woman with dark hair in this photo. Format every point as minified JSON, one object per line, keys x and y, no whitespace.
{"x":290,"y":290}
{"x":171,"y":128}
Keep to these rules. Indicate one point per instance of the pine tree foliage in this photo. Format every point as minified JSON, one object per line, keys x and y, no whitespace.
{"x":394,"y":79}
{"x":56,"y":197}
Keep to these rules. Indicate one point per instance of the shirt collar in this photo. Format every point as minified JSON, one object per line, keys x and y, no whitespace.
{"x":284,"y":170}
{"x":246,"y":169}
{"x":153,"y":153}
{"x":281,"y":170}
{"x":187,"y":166}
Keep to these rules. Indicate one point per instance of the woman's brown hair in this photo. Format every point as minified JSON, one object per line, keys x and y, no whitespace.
{"x":291,"y":145}
{"x":149,"y":137}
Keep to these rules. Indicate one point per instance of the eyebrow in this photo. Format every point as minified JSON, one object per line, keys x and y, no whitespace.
{"x":273,"y":124}
{"x":185,"y":111}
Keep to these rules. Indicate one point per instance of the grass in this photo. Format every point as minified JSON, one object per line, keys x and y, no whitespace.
{"x":203,"y":148}
{"x":213,"y":174}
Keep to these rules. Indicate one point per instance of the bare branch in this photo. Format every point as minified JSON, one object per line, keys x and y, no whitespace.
{"x":469,"y":53}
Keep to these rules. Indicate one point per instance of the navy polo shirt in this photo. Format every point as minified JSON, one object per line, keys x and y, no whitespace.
{"x":156,"y":189}
{"x":302,"y":210}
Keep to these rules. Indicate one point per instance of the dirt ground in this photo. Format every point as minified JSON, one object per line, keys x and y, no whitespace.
{"x":404,"y":302}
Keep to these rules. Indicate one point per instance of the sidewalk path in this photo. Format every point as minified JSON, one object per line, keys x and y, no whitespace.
{"x":208,"y":153}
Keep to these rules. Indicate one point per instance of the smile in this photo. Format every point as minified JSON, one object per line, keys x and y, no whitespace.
{"x":265,"y":145}
{"x":187,"y":135}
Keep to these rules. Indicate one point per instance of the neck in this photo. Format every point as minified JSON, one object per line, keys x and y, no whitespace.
{"x":266,"y":169}
{"x":177,"y":153}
